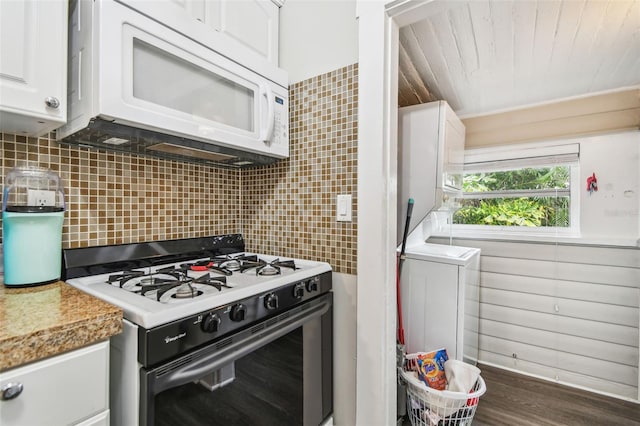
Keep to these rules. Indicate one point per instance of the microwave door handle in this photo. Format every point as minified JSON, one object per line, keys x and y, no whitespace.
{"x":266,"y":132}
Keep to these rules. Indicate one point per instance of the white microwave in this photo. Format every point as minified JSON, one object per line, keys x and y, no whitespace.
{"x":138,"y":85}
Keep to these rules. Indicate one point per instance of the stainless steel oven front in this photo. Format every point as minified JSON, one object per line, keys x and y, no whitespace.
{"x":276,"y":371}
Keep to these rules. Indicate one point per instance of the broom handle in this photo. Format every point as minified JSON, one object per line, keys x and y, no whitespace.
{"x":399,"y":261}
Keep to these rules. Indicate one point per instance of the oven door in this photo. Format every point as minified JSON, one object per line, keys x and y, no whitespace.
{"x":280,"y":373}
{"x":156,"y":78}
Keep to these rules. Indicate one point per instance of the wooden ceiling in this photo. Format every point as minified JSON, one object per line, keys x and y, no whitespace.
{"x":485,"y":56}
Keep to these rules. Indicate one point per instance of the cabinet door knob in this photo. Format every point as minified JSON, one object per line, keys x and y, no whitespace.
{"x":10,"y":391}
{"x":52,"y":102}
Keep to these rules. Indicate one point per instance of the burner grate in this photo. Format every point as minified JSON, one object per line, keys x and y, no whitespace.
{"x":165,"y":279}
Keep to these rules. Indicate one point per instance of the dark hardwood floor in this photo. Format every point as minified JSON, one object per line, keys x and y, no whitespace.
{"x":514,"y":399}
{"x":267,"y":382}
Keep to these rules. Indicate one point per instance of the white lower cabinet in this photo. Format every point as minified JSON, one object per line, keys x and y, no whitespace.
{"x":67,"y":389}
{"x":101,"y":419}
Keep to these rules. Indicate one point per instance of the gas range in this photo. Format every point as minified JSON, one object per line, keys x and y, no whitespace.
{"x":149,"y":296}
{"x":193,"y":307}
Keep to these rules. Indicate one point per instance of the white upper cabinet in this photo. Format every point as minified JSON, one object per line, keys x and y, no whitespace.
{"x":252,"y":23}
{"x":33,"y":66}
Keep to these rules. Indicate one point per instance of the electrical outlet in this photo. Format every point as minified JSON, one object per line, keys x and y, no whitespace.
{"x":39,"y":197}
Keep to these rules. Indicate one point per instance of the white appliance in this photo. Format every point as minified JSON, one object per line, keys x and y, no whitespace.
{"x":430,"y":163}
{"x":199,"y":310}
{"x":168,"y":88}
{"x":440,"y":290}
{"x":439,"y":283}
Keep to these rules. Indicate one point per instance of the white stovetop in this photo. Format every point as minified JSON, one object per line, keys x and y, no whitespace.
{"x":148,"y":312}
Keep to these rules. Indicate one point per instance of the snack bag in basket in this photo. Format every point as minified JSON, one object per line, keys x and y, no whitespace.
{"x":431,"y":368}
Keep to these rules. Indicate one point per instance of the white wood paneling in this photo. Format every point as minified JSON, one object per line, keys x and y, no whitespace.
{"x":564,"y":271}
{"x":491,"y":55}
{"x":564,"y":377}
{"x":572,"y":308}
{"x":596,"y":330}
{"x":600,"y":368}
{"x":599,"y":293}
{"x":565,"y":312}
{"x":591,"y":255}
{"x":598,"y":349}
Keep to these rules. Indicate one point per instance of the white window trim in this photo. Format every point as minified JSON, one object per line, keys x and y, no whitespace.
{"x":520,"y":156}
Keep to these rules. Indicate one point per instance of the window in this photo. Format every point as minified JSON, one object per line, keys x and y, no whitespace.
{"x":520,"y":190}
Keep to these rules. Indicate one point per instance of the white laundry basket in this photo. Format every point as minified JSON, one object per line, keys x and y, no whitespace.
{"x":431,"y":407}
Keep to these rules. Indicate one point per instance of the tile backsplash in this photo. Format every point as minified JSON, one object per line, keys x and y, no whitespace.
{"x":290,"y":207}
{"x":115,"y":198}
{"x":287,"y":208}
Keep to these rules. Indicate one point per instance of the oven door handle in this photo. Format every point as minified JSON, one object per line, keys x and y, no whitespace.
{"x":212,"y":359}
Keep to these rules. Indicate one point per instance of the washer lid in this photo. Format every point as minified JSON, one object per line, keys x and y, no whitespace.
{"x":442,"y":253}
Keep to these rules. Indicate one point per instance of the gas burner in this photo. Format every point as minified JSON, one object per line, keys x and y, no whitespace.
{"x":186,"y":291}
{"x":268,"y":268}
{"x":231,"y":265}
{"x":235,"y":263}
{"x":148,"y":281}
{"x":206,"y":265}
{"x":137,"y":281}
{"x":165,"y":279}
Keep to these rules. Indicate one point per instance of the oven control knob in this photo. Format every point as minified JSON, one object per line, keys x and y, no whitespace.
{"x":211,"y":323}
{"x":312,"y":284}
{"x":271,"y":301}
{"x":237,"y":312}
{"x":298,"y":291}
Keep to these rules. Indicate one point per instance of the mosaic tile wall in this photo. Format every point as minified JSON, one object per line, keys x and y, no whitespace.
{"x":290,"y":207}
{"x":287,"y":208}
{"x":115,"y":198}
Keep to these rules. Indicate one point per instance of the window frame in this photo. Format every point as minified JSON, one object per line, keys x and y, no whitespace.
{"x":523,"y":156}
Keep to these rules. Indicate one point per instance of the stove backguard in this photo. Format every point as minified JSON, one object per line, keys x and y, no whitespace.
{"x":87,"y":261}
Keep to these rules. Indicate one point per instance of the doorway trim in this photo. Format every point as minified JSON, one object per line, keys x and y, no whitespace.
{"x":378,"y":32}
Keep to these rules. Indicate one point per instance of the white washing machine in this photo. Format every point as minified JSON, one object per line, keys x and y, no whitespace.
{"x":440,"y":288}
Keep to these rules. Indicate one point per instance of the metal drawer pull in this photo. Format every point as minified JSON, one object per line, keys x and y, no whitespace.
{"x":52,"y":102}
{"x":10,"y":391}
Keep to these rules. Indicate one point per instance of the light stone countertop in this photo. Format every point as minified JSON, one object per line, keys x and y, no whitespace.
{"x":39,"y":322}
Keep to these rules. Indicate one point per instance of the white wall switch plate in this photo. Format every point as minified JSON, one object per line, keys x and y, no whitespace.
{"x":343,"y":208}
{"x":38,"y":197}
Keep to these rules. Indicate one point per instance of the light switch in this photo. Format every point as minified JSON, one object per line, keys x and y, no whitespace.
{"x":343,"y":208}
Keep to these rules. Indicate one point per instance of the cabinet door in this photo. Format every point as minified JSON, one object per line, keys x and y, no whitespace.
{"x":33,"y":64}
{"x":101,"y":419}
{"x":454,"y":135}
{"x":61,"y":390}
{"x":254,"y":23}
{"x":193,"y":8}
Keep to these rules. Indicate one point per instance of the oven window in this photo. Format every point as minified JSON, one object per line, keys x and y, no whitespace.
{"x":267,"y":390}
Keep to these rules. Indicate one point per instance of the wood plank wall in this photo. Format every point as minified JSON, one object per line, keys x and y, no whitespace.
{"x":568,"y":313}
{"x":608,"y":112}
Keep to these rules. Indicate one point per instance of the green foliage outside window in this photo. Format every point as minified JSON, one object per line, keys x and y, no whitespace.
{"x":518,"y":209}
